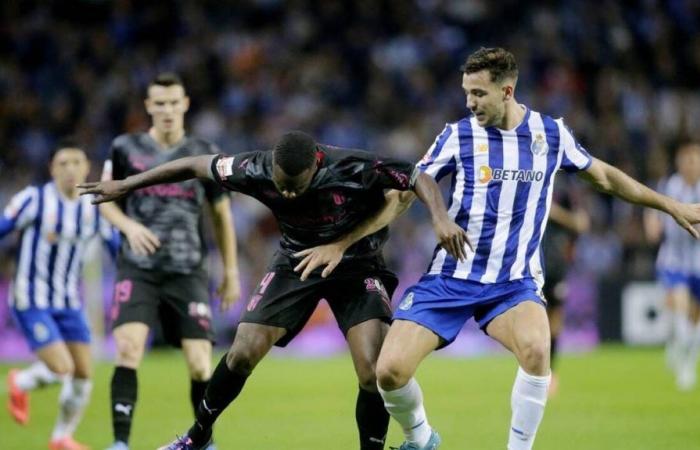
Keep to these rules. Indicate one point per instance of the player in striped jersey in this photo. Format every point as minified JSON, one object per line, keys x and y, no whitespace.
{"x":55,"y":225}
{"x":678,"y":269}
{"x":502,"y":160}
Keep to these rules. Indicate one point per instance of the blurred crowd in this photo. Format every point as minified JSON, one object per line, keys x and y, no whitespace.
{"x":376,"y":74}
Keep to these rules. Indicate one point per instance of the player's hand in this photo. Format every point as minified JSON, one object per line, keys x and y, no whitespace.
{"x":328,"y":255}
{"x":104,"y":191}
{"x":141,"y":240}
{"x":686,"y":215}
{"x":230,"y":290}
{"x":452,"y":238}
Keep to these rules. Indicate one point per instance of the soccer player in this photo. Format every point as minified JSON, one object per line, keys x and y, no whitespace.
{"x":161,"y":265}
{"x":502,"y":160}
{"x":678,"y":269}
{"x":566,"y":221}
{"x":318,"y":195}
{"x":56,"y":225}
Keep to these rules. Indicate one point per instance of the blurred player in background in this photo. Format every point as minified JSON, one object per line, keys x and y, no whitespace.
{"x":55,"y":225}
{"x":678,"y":268}
{"x":502,"y":159}
{"x":566,"y":222}
{"x":318,"y":194}
{"x":161,"y":265}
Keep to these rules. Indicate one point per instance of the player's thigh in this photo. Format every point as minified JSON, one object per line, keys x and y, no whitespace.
{"x":679,"y":297}
{"x":56,"y":357}
{"x":197,"y":354}
{"x":184,"y":311}
{"x":281,"y":301}
{"x":365,"y":342}
{"x":405,"y":346}
{"x":82,"y":359}
{"x":522,"y":328}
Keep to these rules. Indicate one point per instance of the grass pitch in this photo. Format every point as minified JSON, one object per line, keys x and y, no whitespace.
{"x":614,"y":398}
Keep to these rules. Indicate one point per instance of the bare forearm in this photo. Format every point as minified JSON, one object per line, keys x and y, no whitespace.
{"x":397,"y":202}
{"x":225,"y":233}
{"x":428,"y":191}
{"x":611,"y":180}
{"x":115,"y":216}
{"x":171,"y":172}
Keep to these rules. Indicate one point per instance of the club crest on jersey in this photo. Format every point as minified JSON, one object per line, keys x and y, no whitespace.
{"x":539,"y":145}
{"x":407,"y":302}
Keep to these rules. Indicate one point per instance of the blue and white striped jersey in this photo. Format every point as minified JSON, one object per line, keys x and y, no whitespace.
{"x":677,"y":252}
{"x":501,"y":192}
{"x":54,"y":232}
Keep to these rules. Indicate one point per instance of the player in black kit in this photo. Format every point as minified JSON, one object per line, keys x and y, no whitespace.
{"x":318,"y":195}
{"x":161,"y":266}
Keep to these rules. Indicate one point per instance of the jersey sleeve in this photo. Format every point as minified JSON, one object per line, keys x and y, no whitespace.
{"x":212,"y":190}
{"x":115,"y":167}
{"x":21,"y":211}
{"x":229,"y":172}
{"x":439,"y":160}
{"x":389,"y":173}
{"x":575,"y":157}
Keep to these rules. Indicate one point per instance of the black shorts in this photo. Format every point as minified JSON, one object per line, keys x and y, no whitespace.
{"x":179,"y":301}
{"x":552,"y":291}
{"x":356,"y":291}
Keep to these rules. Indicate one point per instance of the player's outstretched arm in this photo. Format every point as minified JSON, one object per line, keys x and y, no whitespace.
{"x":170,"y":172}
{"x":611,"y":180}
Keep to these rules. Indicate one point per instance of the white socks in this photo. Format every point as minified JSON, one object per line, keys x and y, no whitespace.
{"x":74,"y":396}
{"x":405,"y":404}
{"x":35,"y":376}
{"x":527,"y":402}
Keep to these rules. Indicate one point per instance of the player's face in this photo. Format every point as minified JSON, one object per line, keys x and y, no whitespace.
{"x":69,"y":167}
{"x":167,"y":106}
{"x":292,"y":187}
{"x":688,"y":163}
{"x":485,"y":98}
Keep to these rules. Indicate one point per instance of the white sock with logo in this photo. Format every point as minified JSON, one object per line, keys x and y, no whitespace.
{"x":405,"y":405}
{"x":528,"y":399}
{"x":35,"y":376}
{"x":75,"y":395}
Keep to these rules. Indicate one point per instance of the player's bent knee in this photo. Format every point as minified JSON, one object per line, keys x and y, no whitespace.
{"x":367,"y":378}
{"x":61,"y":368}
{"x":241,"y":362}
{"x":534,"y":356}
{"x":129,"y":352}
{"x":391,"y":376}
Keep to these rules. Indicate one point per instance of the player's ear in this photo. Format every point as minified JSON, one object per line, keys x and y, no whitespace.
{"x":186,"y":102}
{"x":507,"y":92}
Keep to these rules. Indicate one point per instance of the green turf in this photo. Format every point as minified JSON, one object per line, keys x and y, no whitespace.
{"x":614,"y":398}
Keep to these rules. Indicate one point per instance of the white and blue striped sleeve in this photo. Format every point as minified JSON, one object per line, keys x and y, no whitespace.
{"x":439,"y":160}
{"x":575,"y":157}
{"x":21,"y":211}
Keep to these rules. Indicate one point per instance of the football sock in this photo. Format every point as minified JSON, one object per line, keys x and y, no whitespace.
{"x":372,"y":420}
{"x":197,"y":389}
{"x":124,"y":391}
{"x":74,"y":396}
{"x":223,"y":387}
{"x":405,"y":405}
{"x":527,"y":401}
{"x":35,"y":376}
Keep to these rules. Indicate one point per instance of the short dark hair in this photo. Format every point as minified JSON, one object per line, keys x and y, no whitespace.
{"x":294,"y":152}
{"x":498,"y":61}
{"x":65,"y":142}
{"x":166,"y":79}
